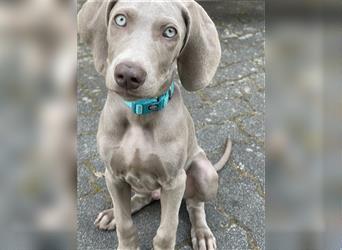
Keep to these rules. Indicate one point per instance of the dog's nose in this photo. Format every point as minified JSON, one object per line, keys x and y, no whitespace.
{"x":129,"y":75}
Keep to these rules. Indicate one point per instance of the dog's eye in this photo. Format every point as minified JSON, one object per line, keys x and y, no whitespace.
{"x":170,"y":32}
{"x":120,"y":20}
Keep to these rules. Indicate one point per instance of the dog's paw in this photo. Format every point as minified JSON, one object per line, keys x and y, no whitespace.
{"x":105,"y":220}
{"x":203,"y":239}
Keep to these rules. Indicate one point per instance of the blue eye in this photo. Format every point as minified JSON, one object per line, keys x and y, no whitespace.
{"x":120,"y":20}
{"x":170,"y":32}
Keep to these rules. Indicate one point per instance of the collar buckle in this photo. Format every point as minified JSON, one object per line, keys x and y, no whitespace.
{"x":153,"y":107}
{"x":139,"y":109}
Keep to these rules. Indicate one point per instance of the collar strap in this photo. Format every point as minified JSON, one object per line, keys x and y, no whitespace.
{"x":146,"y":106}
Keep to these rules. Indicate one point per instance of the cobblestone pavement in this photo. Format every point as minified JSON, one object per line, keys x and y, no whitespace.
{"x":232,"y":106}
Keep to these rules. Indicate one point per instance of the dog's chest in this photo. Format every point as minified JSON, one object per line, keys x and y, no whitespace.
{"x":145,"y":162}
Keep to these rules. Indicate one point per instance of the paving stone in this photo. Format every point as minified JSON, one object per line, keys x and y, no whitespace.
{"x":233,"y":239}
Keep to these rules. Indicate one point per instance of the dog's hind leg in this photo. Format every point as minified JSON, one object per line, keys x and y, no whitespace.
{"x":106,"y":221}
{"x":201,"y":186}
{"x":201,"y":236}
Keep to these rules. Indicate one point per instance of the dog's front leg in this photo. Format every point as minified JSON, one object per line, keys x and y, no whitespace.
{"x":120,"y":192}
{"x":170,"y":199}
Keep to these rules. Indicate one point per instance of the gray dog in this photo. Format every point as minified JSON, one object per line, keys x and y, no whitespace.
{"x":146,"y":137}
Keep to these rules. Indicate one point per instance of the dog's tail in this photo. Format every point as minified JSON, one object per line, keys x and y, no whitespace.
{"x":220,"y":164}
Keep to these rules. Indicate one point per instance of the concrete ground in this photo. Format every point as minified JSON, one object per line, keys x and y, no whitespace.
{"x":232,"y":106}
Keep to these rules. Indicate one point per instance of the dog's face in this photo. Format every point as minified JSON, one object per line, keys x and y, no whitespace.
{"x":137,"y":45}
{"x":144,"y":42}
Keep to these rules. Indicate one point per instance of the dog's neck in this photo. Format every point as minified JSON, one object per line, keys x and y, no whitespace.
{"x":117,"y":103}
{"x":151,"y":105}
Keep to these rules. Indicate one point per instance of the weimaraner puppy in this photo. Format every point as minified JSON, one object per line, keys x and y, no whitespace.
{"x":146,"y":136}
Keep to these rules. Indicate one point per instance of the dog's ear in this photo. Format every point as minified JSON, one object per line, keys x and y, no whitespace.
{"x":201,"y":52}
{"x":92,"y":26}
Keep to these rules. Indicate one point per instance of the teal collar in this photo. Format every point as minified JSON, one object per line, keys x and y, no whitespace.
{"x":146,"y":106}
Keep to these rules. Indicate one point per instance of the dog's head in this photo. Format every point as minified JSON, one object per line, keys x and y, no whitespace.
{"x":137,"y":45}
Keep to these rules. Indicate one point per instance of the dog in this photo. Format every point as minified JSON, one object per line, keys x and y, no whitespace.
{"x":146,"y":136}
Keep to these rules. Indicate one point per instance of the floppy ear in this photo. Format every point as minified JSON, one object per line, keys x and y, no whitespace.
{"x":201,"y":53}
{"x":92,"y":26}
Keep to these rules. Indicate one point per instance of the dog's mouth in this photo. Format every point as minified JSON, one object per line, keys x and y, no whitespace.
{"x":140,"y":93}
{"x":129,"y":95}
